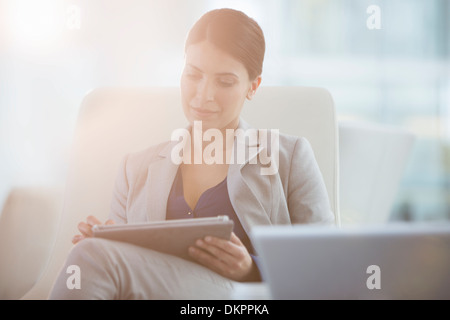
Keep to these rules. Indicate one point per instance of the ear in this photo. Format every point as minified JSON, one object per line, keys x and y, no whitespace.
{"x":253,"y":87}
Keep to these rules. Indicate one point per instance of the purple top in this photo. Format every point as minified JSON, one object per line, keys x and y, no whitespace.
{"x":213,"y":202}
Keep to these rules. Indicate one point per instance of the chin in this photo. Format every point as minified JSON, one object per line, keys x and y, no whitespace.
{"x":207,"y":124}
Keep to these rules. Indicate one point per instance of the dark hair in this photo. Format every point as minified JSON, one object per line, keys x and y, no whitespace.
{"x":235,"y":33}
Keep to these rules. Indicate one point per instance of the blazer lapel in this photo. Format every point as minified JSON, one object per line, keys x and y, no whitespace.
{"x":247,"y":206}
{"x":244,"y":200}
{"x":161,"y":174}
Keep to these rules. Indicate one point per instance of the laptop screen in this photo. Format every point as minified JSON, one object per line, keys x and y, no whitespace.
{"x":389,"y":261}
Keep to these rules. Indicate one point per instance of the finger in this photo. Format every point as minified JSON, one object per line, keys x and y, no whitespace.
{"x":91,"y":220}
{"x":77,"y":238}
{"x":110,"y":221}
{"x":217,"y":252}
{"x":235,"y":239}
{"x":85,"y":229}
{"x":208,"y":261}
{"x":226,"y":245}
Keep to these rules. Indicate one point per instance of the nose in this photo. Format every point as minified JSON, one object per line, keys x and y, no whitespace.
{"x":204,"y":94}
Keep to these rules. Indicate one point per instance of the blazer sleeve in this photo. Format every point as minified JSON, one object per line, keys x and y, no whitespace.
{"x":308,"y":200}
{"x":118,"y":210}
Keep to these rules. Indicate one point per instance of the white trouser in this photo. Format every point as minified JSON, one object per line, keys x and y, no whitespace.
{"x":116,"y":270}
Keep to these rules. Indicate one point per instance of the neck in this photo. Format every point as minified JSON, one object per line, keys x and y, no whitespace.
{"x":215,"y":138}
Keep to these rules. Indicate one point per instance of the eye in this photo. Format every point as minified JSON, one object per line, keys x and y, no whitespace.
{"x":225,"y":82}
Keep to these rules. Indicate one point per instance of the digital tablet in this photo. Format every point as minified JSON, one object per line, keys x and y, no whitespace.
{"x":168,"y":236}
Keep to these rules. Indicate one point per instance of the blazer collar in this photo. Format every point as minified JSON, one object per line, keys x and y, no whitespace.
{"x":160,"y":175}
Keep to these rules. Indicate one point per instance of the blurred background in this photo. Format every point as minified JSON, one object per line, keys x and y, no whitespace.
{"x":53,"y":52}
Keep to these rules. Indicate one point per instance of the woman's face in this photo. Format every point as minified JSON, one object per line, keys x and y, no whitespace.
{"x":214,"y":87}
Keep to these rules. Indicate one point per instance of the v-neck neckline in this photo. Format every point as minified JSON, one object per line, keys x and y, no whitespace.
{"x":180,"y":177}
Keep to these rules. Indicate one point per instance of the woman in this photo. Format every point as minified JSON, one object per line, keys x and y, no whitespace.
{"x":224,"y":55}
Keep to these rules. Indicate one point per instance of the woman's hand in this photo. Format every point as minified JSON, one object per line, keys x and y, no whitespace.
{"x":86,"y":228}
{"x":228,"y":258}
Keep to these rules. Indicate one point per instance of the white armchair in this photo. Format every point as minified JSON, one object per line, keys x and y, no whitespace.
{"x":115,"y":121}
{"x":28,"y":226}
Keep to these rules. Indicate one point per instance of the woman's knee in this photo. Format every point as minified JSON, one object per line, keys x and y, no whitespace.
{"x":93,"y":273}
{"x":89,"y":249}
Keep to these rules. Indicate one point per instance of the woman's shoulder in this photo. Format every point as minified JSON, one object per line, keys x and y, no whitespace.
{"x":147,"y":155}
{"x":290,"y":144}
{"x":294,"y":153}
{"x":287,"y":142}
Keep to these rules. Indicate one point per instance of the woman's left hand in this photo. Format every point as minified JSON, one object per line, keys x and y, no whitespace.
{"x":229,"y":258}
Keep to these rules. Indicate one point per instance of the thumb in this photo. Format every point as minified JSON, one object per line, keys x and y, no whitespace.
{"x":110,"y":221}
{"x":235,"y":239}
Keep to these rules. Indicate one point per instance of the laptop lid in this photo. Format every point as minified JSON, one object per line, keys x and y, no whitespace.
{"x":390,"y":261}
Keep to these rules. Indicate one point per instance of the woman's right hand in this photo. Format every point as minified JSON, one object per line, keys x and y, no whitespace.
{"x":86,"y":228}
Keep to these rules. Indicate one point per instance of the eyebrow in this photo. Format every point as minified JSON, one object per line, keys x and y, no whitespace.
{"x":219,"y":74}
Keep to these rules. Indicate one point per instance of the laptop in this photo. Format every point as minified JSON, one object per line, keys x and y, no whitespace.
{"x":401,"y":261}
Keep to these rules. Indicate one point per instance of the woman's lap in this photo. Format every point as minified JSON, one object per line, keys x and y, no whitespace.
{"x":116,"y":270}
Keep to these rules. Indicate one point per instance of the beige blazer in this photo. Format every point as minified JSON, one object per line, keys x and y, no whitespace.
{"x":296,"y":194}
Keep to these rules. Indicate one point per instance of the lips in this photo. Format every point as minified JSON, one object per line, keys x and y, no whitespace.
{"x":203,"y":112}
